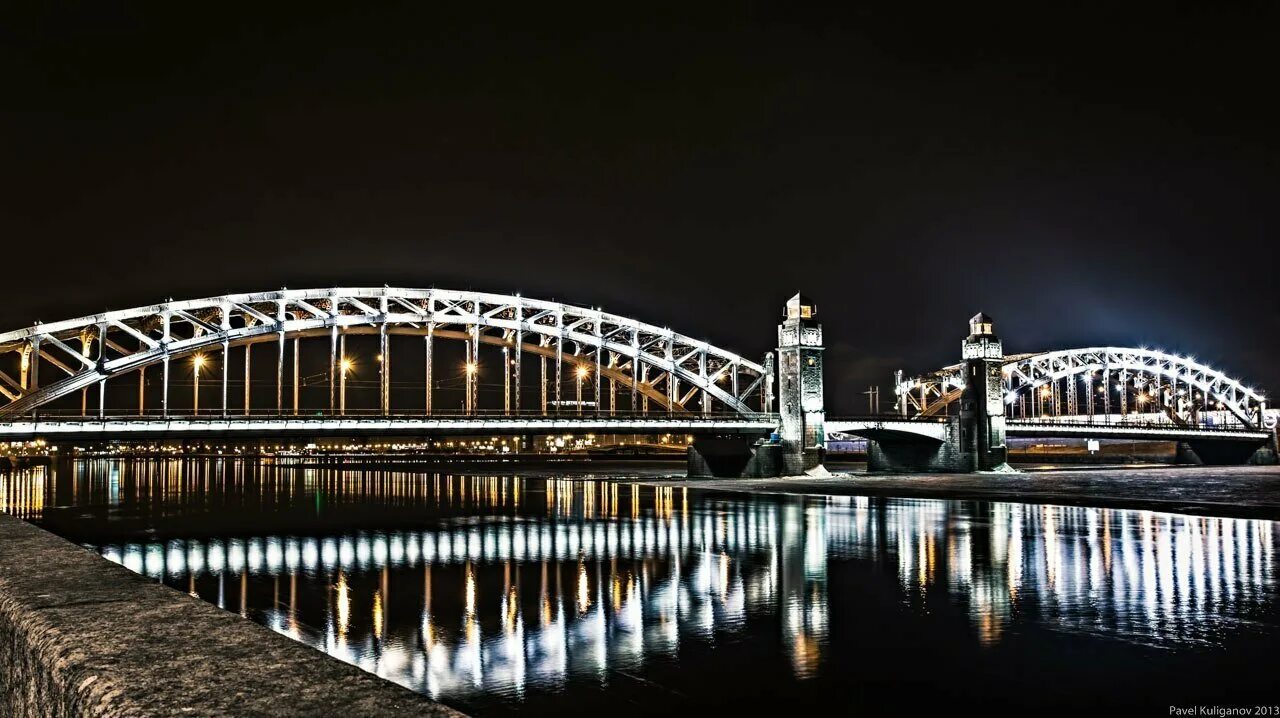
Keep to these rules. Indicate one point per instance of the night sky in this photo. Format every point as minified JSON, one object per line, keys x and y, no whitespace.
{"x":1085,"y":178}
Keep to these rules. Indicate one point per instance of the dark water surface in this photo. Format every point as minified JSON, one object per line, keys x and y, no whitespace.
{"x":506,"y":593}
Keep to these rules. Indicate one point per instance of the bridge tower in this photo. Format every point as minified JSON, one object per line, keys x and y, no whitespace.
{"x":800,"y":386}
{"x":982,"y":429}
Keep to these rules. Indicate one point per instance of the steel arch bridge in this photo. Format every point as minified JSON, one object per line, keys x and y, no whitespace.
{"x":1076,"y":383}
{"x":678,"y":375}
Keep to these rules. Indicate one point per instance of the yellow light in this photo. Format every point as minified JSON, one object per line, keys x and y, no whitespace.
{"x":198,"y":360}
{"x":346,"y":365}
{"x":582,"y":372}
{"x":471,"y":368}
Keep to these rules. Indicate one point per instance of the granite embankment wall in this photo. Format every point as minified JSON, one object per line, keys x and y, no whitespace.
{"x":81,"y":636}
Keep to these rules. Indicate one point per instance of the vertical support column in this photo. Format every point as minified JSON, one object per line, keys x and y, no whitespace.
{"x":102,"y":383}
{"x":668,"y":354}
{"x":342,"y":374}
{"x":517,"y":369}
{"x":734,"y":381}
{"x":280,"y":345}
{"x":86,"y":341}
{"x":596,"y":378}
{"x":1106,"y":393}
{"x":506,"y":380}
{"x":613,"y":385}
{"x":297,"y":358}
{"x":471,"y":369}
{"x":1124,"y":393}
{"x":142,"y":389}
{"x":428,"y":350}
{"x":164,"y":342}
{"x":333,"y":368}
{"x":226,"y":355}
{"x":702,"y":374}
{"x":559,"y":355}
{"x":644,"y":379}
{"x":1088,"y":390}
{"x":226,"y":368}
{"x":543,"y":377}
{"x":384,"y":366}
{"x":1069,"y":383}
{"x":248,"y":361}
{"x":33,"y":377}
{"x":577,"y":384}
{"x":635,"y":368}
{"x":24,"y":371}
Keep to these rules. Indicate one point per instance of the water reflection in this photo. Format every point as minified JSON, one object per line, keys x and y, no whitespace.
{"x":508,"y":585}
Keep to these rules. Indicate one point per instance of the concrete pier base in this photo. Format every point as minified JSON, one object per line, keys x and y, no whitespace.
{"x":734,"y":457}
{"x":1217,"y":452}
{"x":918,"y":454}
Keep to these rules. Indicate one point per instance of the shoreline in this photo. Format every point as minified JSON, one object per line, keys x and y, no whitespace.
{"x":1251,"y":492}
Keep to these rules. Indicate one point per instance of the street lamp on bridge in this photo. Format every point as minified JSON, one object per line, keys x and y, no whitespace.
{"x":581,"y":374}
{"x":347,"y":365}
{"x":197,"y":362}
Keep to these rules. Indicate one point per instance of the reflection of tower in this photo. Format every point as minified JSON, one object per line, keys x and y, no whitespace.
{"x":800,"y":385}
{"x":982,"y":400}
{"x":802,"y":554}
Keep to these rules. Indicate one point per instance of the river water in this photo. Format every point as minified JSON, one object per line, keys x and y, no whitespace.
{"x":505,"y":593}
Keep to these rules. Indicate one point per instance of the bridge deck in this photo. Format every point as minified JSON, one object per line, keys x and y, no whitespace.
{"x":64,"y":429}
{"x":934,"y":428}
{"x":1149,"y":432}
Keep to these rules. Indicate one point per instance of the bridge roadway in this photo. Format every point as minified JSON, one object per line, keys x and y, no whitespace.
{"x":935,"y":429}
{"x":78,"y":428}
{"x":64,"y":429}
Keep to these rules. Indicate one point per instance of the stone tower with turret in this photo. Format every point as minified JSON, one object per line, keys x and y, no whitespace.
{"x":982,"y":429}
{"x":800,"y":399}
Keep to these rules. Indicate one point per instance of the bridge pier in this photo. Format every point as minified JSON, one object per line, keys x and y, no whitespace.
{"x":904,"y":453}
{"x":1217,"y":452}
{"x":735,"y":457}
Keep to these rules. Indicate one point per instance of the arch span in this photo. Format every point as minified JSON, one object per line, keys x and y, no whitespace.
{"x":677,"y":372}
{"x":1074,"y":378}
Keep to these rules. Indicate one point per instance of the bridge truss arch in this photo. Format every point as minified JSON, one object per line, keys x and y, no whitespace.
{"x":1078,"y":382}
{"x":677,"y":373}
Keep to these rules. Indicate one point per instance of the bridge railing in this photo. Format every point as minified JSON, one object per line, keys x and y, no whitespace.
{"x":895,"y":417}
{"x":1119,"y":422}
{"x":70,"y":416}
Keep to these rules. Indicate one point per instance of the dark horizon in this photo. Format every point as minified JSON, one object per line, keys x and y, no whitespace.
{"x":1086,"y":179}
